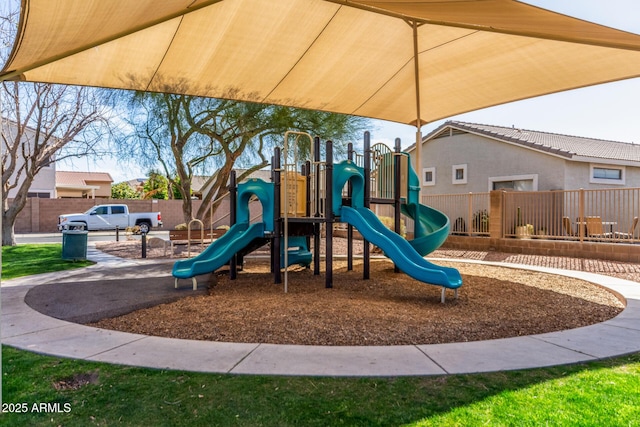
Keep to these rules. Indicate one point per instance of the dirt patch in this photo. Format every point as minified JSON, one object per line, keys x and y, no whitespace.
{"x":76,"y":381}
{"x":389,"y":309}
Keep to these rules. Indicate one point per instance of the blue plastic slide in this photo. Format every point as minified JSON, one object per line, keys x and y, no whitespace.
{"x":220,"y":251}
{"x":297,"y":253}
{"x":399,"y":250}
{"x":432,"y":227}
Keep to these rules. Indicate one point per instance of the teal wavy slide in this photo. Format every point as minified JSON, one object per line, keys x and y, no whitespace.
{"x":400,"y":251}
{"x":298,"y":253}
{"x":220,"y":251}
{"x":432,"y":227}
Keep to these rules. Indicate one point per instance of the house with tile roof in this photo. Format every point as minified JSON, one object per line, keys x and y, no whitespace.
{"x":50,"y":183}
{"x":43,"y":184}
{"x":460,"y":157}
{"x":88,"y":185}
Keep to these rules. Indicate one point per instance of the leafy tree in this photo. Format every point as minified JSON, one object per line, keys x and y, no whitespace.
{"x":156,"y":186}
{"x":175,"y":189}
{"x":123,"y":190}
{"x":189,"y":135}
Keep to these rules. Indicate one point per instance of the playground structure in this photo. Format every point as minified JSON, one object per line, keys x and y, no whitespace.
{"x":296,"y":206}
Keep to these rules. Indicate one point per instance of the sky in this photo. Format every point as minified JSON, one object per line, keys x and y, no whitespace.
{"x":609,"y":111}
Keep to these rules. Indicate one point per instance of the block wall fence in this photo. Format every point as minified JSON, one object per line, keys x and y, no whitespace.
{"x":41,"y":216}
{"x":496,"y":241}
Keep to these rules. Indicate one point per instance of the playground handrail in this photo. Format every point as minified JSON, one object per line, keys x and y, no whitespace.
{"x":228,"y":214}
{"x":289,"y":167}
{"x":189,"y":235}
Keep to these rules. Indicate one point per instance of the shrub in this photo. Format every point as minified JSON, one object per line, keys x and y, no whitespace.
{"x":480,"y":221}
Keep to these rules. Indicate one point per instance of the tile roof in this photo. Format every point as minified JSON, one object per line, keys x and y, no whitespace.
{"x":81,"y":178}
{"x":562,"y":145}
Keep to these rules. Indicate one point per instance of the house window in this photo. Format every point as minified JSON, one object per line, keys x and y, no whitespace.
{"x":514,"y":182}
{"x":429,"y":176}
{"x":519,"y":185}
{"x":602,"y":174}
{"x":459,"y":173}
{"x":39,"y":195}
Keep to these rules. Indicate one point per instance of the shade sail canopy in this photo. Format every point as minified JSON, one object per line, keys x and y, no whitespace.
{"x":354,"y":57}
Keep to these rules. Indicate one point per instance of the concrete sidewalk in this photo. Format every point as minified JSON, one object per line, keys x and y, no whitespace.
{"x":26,"y":328}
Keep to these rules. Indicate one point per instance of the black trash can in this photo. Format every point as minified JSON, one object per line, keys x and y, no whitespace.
{"x":74,"y":242}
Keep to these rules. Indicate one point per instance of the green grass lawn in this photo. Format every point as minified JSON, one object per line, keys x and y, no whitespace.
{"x":603,"y":393}
{"x":24,"y":260}
{"x":52,"y":391}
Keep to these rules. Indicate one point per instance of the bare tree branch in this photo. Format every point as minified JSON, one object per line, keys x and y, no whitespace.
{"x":41,"y":124}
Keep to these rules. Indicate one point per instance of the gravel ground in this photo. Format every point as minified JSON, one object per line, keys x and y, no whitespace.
{"x":389,"y":309}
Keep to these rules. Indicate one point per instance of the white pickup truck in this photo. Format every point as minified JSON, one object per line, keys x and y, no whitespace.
{"x":108,"y":217}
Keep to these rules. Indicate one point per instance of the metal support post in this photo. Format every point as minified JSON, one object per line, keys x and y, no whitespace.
{"x":329,"y":216}
{"x":144,"y":245}
{"x":233,"y":217}
{"x":367,"y":200}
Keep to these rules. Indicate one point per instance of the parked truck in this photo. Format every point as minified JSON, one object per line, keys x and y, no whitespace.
{"x":108,"y":217}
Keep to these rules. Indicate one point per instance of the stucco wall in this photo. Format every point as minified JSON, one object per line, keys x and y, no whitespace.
{"x":43,"y":182}
{"x":579,"y":173}
{"x":486,"y":158}
{"x":104,"y":190}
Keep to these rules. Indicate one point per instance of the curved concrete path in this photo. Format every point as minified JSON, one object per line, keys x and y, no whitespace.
{"x":25,"y":328}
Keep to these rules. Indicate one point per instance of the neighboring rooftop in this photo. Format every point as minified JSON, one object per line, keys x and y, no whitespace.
{"x":83,"y":184}
{"x":562,"y":145}
{"x":81,"y":178}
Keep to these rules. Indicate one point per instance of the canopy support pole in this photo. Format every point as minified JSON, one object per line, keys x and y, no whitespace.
{"x":416,"y":74}
{"x":418,"y":157}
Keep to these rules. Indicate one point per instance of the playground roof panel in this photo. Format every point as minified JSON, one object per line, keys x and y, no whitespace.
{"x":346,"y":56}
